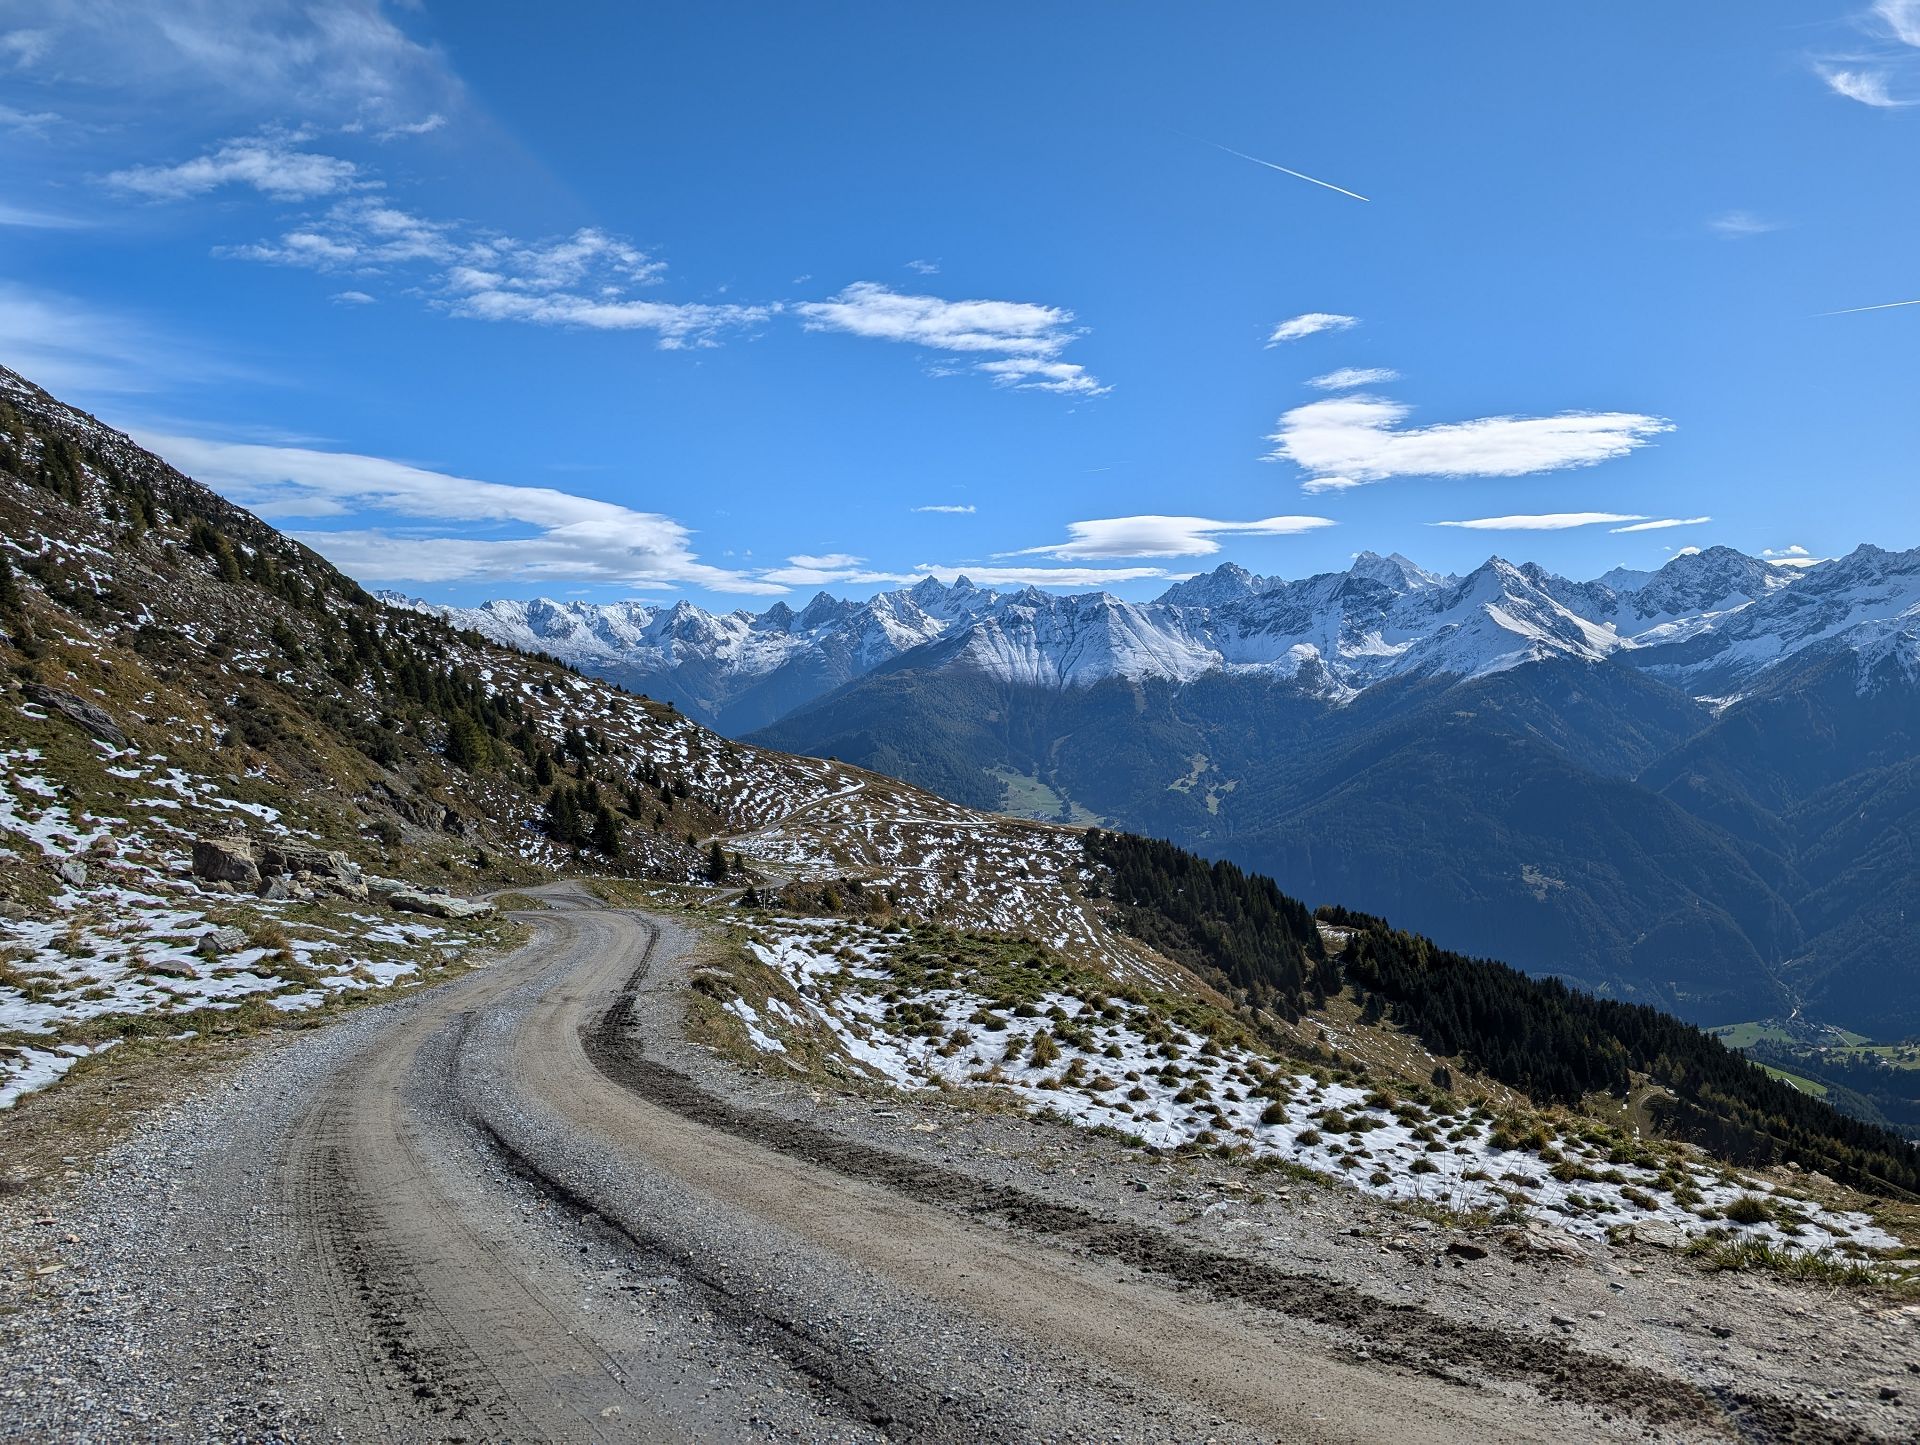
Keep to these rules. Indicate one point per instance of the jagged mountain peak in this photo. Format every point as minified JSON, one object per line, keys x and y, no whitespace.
{"x":1394,"y":570}
{"x":1709,"y":621}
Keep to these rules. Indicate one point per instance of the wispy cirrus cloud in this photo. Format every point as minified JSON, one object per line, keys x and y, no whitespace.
{"x":28,"y":218}
{"x":1661,"y":524}
{"x":1741,"y":225}
{"x":1349,"y":441}
{"x":27,"y":122}
{"x":1540,"y":522}
{"x":1020,"y":342}
{"x":1153,"y":536}
{"x":273,"y":165}
{"x":1880,"y":75}
{"x":1310,"y":323}
{"x":1348,"y":377}
{"x":1869,"y":87}
{"x":951,"y":509}
{"x":1902,"y":18}
{"x":78,"y":349}
{"x":343,"y":60}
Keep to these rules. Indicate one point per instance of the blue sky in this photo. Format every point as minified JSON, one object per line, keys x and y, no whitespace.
{"x":734,"y":301}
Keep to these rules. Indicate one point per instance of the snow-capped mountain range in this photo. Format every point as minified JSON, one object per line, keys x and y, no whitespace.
{"x":1711,"y":622}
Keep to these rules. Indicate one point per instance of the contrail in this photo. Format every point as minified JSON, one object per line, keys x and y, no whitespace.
{"x":1297,"y":175}
{"x":1883,"y":306}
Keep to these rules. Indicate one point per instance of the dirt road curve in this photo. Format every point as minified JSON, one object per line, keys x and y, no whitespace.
{"x":489,"y":1216}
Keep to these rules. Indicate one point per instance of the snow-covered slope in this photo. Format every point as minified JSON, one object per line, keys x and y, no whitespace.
{"x":1709,"y":622}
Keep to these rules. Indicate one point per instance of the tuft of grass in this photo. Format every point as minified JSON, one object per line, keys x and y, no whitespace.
{"x":1815,"y":1266}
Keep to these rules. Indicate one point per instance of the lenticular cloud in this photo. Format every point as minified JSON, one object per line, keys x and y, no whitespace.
{"x":1357,"y":439}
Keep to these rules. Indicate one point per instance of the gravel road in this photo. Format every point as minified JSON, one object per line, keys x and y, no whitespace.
{"x":493,"y":1213}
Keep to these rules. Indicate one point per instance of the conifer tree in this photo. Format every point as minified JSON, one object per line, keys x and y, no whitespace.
{"x":606,"y":831}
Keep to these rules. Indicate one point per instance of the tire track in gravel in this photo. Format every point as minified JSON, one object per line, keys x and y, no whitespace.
{"x":1405,"y":1335}
{"x":1116,"y":1345}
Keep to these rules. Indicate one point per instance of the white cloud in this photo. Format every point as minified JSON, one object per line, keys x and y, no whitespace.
{"x":1042,"y":576}
{"x":1151,"y":536}
{"x":364,"y":234}
{"x":1351,"y":376}
{"x":270,"y":164}
{"x":961,"y":509}
{"x":1661,"y":524}
{"x":1869,"y":87}
{"x":675,"y":325}
{"x":1902,"y":17}
{"x":1781,"y":554}
{"x":1311,"y":323}
{"x":1740,"y":225}
{"x":344,"y":58}
{"x":582,"y":280}
{"x":557,"y":535}
{"x":1349,"y":440}
{"x":1539,"y":522}
{"x":1024,"y":340}
{"x":924,"y":268}
{"x":1028,"y":374}
{"x":835,"y":568}
{"x":351,"y":298}
{"x":427,"y":125}
{"x":27,"y":122}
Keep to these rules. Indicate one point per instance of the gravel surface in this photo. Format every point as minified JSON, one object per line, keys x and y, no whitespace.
{"x":513,"y":1207}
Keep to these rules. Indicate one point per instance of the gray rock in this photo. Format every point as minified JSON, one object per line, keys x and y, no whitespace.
{"x":216,"y":941}
{"x":282,"y":857}
{"x":226,"y":860}
{"x":412,"y":900}
{"x":96,"y":720}
{"x":1659,"y":1233}
{"x":71,"y":870}
{"x":277,"y":889}
{"x":1536,"y":1238}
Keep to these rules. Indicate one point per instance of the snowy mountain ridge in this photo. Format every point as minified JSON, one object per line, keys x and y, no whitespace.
{"x":1710,"y":622}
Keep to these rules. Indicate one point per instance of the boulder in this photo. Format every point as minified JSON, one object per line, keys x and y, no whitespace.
{"x":281,"y":857}
{"x":95,"y":720}
{"x":71,"y":871}
{"x":226,"y":860}
{"x":435,"y":905}
{"x":277,"y":889}
{"x":216,"y":941}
